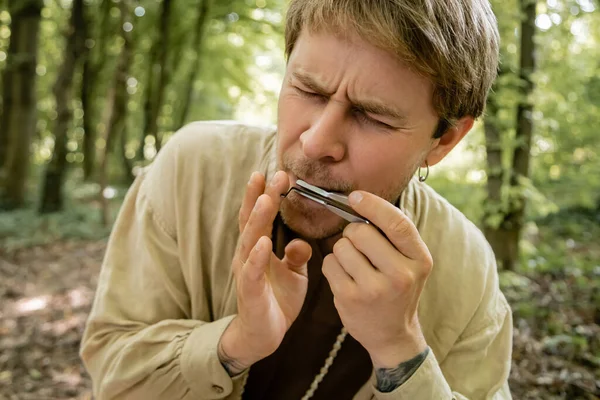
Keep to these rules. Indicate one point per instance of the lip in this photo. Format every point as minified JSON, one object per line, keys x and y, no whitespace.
{"x":293,"y":178}
{"x":307,"y":203}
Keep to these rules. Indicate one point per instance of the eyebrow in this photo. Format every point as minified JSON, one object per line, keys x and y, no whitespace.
{"x":310,"y":83}
{"x":365,"y":106}
{"x":373,"y":107}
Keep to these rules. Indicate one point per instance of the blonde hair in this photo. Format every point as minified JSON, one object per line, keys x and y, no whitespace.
{"x":453,"y":43}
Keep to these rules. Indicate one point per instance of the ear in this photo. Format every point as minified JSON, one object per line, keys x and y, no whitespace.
{"x":442,"y":146}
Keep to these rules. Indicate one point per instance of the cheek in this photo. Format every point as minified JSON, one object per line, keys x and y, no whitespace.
{"x":293,"y":118}
{"x":382,"y":164}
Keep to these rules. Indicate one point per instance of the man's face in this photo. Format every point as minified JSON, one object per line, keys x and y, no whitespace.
{"x":351,"y":116}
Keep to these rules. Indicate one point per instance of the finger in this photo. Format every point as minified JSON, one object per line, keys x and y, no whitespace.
{"x":256,"y":187}
{"x":259,"y":224}
{"x":277,"y":186}
{"x":381,"y":254}
{"x":354,"y":262}
{"x":339,"y":280}
{"x":398,"y":228}
{"x":254,"y":270}
{"x":297,"y":254}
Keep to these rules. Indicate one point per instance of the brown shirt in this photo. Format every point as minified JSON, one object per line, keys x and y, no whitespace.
{"x":289,"y":372}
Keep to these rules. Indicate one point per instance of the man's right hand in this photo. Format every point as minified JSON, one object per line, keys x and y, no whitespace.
{"x":270,"y":291}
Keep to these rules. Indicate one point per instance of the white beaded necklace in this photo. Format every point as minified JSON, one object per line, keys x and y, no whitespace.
{"x":328,"y":362}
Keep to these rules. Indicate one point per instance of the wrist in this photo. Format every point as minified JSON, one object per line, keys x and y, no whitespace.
{"x":233,"y":351}
{"x":405,"y":349}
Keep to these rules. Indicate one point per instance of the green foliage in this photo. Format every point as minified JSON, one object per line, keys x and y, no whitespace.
{"x":554,"y":291}
{"x":236,"y":33}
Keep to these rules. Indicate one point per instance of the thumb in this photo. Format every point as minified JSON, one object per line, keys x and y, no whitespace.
{"x":297,"y":254}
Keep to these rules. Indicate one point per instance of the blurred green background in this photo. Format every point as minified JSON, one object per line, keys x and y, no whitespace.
{"x":91,"y":89}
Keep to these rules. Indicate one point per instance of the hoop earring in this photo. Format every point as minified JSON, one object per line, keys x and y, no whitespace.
{"x":421,"y":177}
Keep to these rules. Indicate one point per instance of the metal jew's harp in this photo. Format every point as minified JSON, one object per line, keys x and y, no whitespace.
{"x":335,"y":202}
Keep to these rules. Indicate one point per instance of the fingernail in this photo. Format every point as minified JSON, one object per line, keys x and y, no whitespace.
{"x":355,"y":198}
{"x":276,"y":179}
{"x":252,"y":177}
{"x":258,"y":244}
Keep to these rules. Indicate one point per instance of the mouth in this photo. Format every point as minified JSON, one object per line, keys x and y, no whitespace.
{"x":294,"y":178}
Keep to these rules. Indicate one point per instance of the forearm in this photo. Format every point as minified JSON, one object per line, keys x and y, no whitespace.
{"x":175,"y":359}
{"x":476,"y":368}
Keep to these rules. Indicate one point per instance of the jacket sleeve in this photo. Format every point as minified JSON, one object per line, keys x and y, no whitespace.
{"x":139,"y":342}
{"x":478,"y":364}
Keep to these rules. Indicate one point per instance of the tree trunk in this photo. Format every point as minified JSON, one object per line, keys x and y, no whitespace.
{"x":149,"y":93}
{"x":524,"y":133}
{"x":158,"y":73}
{"x":52,"y":196}
{"x":203,"y":9}
{"x":92,"y":67}
{"x":18,"y":122}
{"x":89,"y":136}
{"x":126,"y":163}
{"x":495,"y":178}
{"x":116,"y":111}
{"x":504,"y":235}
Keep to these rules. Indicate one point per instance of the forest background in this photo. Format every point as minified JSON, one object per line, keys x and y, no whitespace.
{"x":91,"y":90}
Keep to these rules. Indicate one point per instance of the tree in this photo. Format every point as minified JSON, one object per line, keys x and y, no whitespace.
{"x":157,"y":79}
{"x":203,"y":10}
{"x":116,"y":107}
{"x":18,"y":122}
{"x":94,"y":61}
{"x":522,"y":152}
{"x":505,"y":234}
{"x":52,"y":196}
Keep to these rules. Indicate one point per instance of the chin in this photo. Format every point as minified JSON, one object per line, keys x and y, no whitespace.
{"x":310,"y":222}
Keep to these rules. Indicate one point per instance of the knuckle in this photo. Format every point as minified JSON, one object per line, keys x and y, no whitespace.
{"x":409,"y":281}
{"x":242,"y":249}
{"x":340,"y":245}
{"x":329,"y":258}
{"x":399,"y":226}
{"x":237,"y":267}
{"x":362,"y":231}
{"x":371,"y":294}
{"x":357,"y":231}
{"x":353,"y":296}
{"x":403,"y":281}
{"x":427,"y":265}
{"x":327,"y":262}
{"x":349,"y":230}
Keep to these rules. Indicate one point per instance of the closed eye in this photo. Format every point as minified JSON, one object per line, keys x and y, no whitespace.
{"x":361,"y":116}
{"x":307,"y":94}
{"x":364,"y":118}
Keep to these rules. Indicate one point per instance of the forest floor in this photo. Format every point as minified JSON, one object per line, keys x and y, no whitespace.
{"x":46,"y":292}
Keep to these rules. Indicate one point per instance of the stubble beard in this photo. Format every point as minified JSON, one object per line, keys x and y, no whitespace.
{"x":320,"y":223}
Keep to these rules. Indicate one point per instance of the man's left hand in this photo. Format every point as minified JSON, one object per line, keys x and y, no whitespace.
{"x":377,"y":281}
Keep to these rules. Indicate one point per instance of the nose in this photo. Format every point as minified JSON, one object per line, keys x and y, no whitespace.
{"x":325,"y":139}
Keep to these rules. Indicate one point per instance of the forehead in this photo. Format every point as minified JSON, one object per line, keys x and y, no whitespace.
{"x":362,"y":69}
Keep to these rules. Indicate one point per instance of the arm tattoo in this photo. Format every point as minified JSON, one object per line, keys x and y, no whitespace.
{"x":232,"y":366}
{"x":388,"y":379}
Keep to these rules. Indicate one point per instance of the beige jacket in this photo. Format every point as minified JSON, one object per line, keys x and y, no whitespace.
{"x":165,"y":292}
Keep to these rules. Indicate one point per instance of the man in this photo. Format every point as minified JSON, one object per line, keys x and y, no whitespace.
{"x":214,"y":287}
